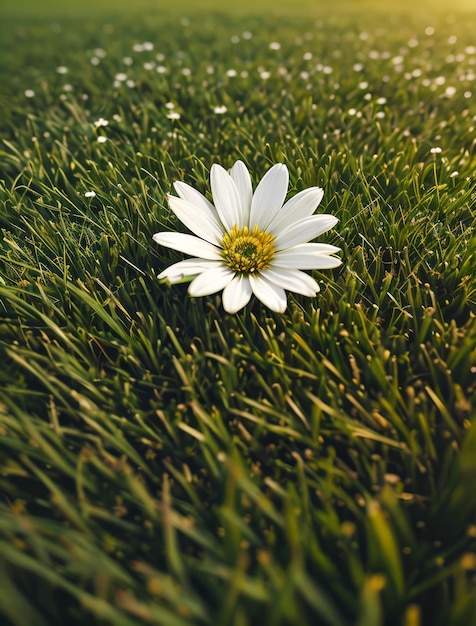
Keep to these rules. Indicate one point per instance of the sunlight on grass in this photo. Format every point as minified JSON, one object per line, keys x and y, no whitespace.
{"x":310,"y":8}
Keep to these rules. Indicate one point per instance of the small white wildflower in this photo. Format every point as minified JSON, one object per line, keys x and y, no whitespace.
{"x":29,"y":93}
{"x":275,"y":45}
{"x":101,"y":122}
{"x":90,"y":194}
{"x":173,"y":115}
{"x":436,"y":150}
{"x":101,"y":139}
{"x":62,"y":69}
{"x":219,"y":110}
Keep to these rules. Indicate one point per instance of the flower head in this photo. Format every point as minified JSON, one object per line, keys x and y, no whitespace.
{"x":248,"y":243}
{"x":101,"y":122}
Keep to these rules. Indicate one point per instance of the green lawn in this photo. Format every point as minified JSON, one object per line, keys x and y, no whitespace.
{"x":22,"y":9}
{"x":165,"y":463}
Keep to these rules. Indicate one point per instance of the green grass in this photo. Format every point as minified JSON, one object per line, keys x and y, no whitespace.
{"x":164,"y":463}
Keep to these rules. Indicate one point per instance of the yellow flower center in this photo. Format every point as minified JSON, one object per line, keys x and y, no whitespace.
{"x":246,"y":250}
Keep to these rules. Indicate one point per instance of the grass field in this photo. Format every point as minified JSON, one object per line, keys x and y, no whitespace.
{"x":165,"y":463}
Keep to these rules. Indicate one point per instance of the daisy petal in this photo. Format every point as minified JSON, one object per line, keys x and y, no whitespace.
{"x":292,"y":280}
{"x":271,"y":295}
{"x":318,"y":248}
{"x":188,"y":244}
{"x":193,"y":196}
{"x":210,"y":281}
{"x":226,"y":197}
{"x":305,"y":230}
{"x":302,"y":205}
{"x":189,"y":267}
{"x":236,"y":294}
{"x":305,"y":257}
{"x":241,"y":176}
{"x":198,"y":218}
{"x":269,"y":196}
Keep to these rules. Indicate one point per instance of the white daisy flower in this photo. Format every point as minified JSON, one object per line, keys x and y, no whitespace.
{"x":248,"y":243}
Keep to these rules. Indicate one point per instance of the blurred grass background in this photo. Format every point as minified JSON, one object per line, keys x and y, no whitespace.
{"x":50,"y":8}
